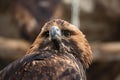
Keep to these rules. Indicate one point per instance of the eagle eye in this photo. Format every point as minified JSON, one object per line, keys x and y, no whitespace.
{"x":46,"y":34}
{"x":66,"y":33}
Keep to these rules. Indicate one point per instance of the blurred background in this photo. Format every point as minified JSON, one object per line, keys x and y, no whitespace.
{"x":99,"y":20}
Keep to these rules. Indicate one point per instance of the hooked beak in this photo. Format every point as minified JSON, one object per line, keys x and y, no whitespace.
{"x":55,"y":33}
{"x":55,"y":36}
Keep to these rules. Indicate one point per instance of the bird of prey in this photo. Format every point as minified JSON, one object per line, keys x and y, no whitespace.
{"x":60,"y":52}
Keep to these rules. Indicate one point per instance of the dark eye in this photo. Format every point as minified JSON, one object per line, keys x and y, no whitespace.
{"x":46,"y":34}
{"x":66,"y":33}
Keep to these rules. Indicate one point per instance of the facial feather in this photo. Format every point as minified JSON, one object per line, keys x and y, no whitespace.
{"x":73,"y":41}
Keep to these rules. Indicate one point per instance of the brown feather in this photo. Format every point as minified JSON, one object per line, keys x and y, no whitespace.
{"x":81,"y":44}
{"x":44,"y":61}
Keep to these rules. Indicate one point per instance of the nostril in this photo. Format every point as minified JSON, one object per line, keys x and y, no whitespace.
{"x":58,"y":29}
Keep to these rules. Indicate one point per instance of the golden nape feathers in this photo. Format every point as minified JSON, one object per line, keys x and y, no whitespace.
{"x":60,"y":52}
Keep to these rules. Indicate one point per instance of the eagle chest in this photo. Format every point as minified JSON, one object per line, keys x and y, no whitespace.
{"x":55,"y":68}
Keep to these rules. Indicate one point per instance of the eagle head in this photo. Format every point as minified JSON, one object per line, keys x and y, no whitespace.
{"x":63,"y":37}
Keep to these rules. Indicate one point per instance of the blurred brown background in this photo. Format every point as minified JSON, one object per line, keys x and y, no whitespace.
{"x":99,"y":20}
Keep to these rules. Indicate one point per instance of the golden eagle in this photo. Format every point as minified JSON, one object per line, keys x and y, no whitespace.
{"x":60,"y":52}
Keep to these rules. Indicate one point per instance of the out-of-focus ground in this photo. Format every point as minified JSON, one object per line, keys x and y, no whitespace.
{"x":99,"y":21}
